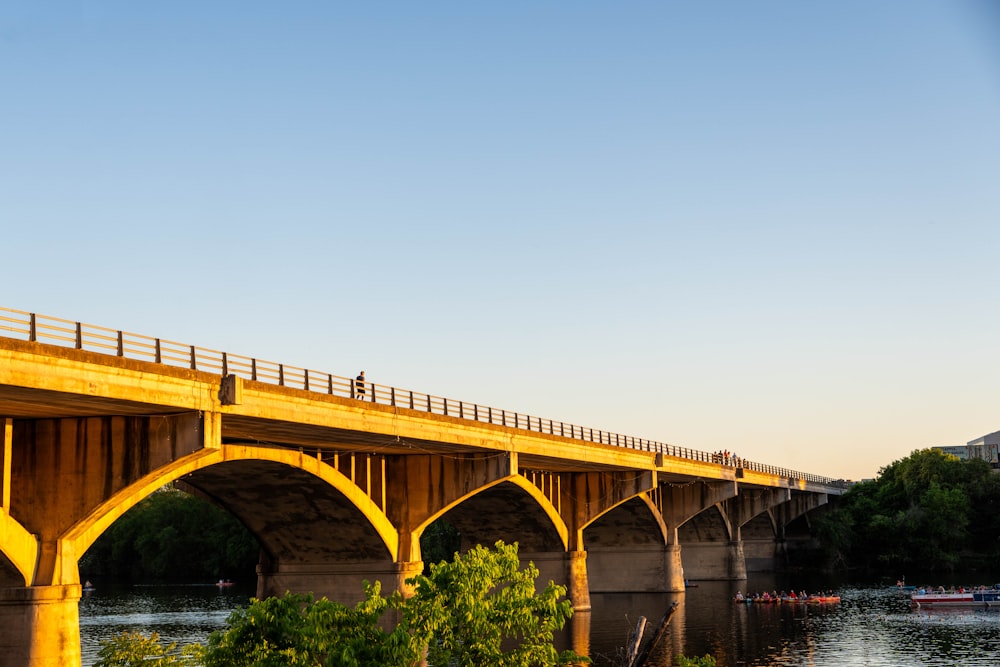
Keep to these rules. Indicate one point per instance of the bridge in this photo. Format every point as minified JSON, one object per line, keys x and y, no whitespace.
{"x":338,"y":485}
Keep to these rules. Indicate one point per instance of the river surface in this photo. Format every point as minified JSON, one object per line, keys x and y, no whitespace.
{"x":872,"y":625}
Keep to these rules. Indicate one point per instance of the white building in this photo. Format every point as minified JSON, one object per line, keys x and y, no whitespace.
{"x":986,"y":448}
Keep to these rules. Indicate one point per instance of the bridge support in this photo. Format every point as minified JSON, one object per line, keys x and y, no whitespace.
{"x":41,"y":626}
{"x":339,"y":581}
{"x":579,"y":584}
{"x":719,"y":561}
{"x":567,"y":569}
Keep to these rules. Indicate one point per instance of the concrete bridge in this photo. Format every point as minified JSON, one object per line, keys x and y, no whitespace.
{"x":338,"y":486}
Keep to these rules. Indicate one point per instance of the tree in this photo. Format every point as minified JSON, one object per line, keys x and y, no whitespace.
{"x":172,"y":536}
{"x":132,"y":649}
{"x":479,"y":609}
{"x":929,"y":511}
{"x":298,"y":631}
{"x":482,"y":609}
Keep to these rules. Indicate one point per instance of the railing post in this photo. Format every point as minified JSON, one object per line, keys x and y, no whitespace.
{"x":253,"y":370}
{"x":194,"y":359}
{"x":281,"y":375}
{"x":225,"y":365}
{"x":159,"y":352}
{"x":392,"y":396}
{"x":79,"y":336}
{"x":329,"y":383}
{"x":305,"y":379}
{"x":121,"y":344}
{"x":32,"y":328}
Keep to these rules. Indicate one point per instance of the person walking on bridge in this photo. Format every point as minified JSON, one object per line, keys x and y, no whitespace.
{"x":359,"y":386}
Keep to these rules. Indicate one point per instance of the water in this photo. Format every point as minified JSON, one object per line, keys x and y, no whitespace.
{"x":872,"y":625}
{"x":182,"y":614}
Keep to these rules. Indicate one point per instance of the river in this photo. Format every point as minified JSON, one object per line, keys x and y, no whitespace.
{"x":872,"y":625}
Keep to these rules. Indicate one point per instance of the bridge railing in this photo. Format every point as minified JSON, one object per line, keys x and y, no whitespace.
{"x":66,"y":333}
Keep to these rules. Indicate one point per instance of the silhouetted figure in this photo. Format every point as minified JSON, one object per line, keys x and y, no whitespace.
{"x":359,"y":386}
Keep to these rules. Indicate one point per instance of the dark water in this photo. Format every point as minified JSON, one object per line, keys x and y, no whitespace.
{"x":872,"y":625}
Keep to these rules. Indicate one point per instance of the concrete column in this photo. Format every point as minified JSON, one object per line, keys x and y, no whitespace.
{"x":565,"y":569}
{"x":341,"y":582}
{"x":737,"y":562}
{"x":40,"y":626}
{"x":408,"y":571}
{"x":673,"y":568}
{"x":578,"y":589}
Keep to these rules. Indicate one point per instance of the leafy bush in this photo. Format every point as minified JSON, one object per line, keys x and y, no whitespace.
{"x":132,"y":649}
{"x":479,"y":609}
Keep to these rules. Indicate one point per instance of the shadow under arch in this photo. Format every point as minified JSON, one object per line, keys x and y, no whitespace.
{"x":635,"y":520}
{"x":515,"y":507}
{"x":227,"y":476}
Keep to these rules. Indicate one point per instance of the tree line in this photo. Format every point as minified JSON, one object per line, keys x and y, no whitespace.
{"x":928,"y":512}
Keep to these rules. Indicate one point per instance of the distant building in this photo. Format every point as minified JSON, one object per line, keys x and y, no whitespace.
{"x":986,"y":448}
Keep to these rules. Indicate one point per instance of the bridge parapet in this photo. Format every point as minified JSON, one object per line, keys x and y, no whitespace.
{"x":22,"y":325}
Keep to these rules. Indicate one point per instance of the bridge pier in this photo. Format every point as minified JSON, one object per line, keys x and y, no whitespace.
{"x":40,"y":626}
{"x":650,"y":569}
{"x":720,"y":561}
{"x":566,"y":569}
{"x":340,"y":581}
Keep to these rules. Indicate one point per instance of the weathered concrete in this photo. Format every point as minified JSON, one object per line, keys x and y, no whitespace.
{"x":40,"y":626}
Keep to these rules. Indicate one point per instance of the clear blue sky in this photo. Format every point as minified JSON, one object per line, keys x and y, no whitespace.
{"x":771,"y":227}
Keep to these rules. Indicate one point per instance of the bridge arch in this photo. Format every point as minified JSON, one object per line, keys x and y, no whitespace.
{"x":19,"y":551}
{"x":216,"y":473}
{"x":635,"y":520}
{"x":515,"y":507}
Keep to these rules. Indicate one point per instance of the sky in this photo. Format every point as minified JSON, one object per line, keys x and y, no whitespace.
{"x":769,"y":227}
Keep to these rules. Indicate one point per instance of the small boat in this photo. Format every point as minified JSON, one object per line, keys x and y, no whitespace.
{"x":224,"y":583}
{"x":978,"y":597}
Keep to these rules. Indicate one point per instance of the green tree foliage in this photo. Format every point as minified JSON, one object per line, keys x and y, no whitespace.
{"x":440,"y":541}
{"x":704,"y":661}
{"x":483,"y":609}
{"x":132,"y":649}
{"x":929,"y":511}
{"x":479,"y":609}
{"x":172,"y":536}
{"x":298,"y":631}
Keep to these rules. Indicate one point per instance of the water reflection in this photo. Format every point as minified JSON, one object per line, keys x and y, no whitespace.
{"x":870,"y":626}
{"x":182,"y":614}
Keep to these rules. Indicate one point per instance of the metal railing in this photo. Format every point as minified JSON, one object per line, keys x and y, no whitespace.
{"x":52,"y":330}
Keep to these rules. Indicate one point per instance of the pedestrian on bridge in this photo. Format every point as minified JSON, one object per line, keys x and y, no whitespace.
{"x":359,"y":386}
